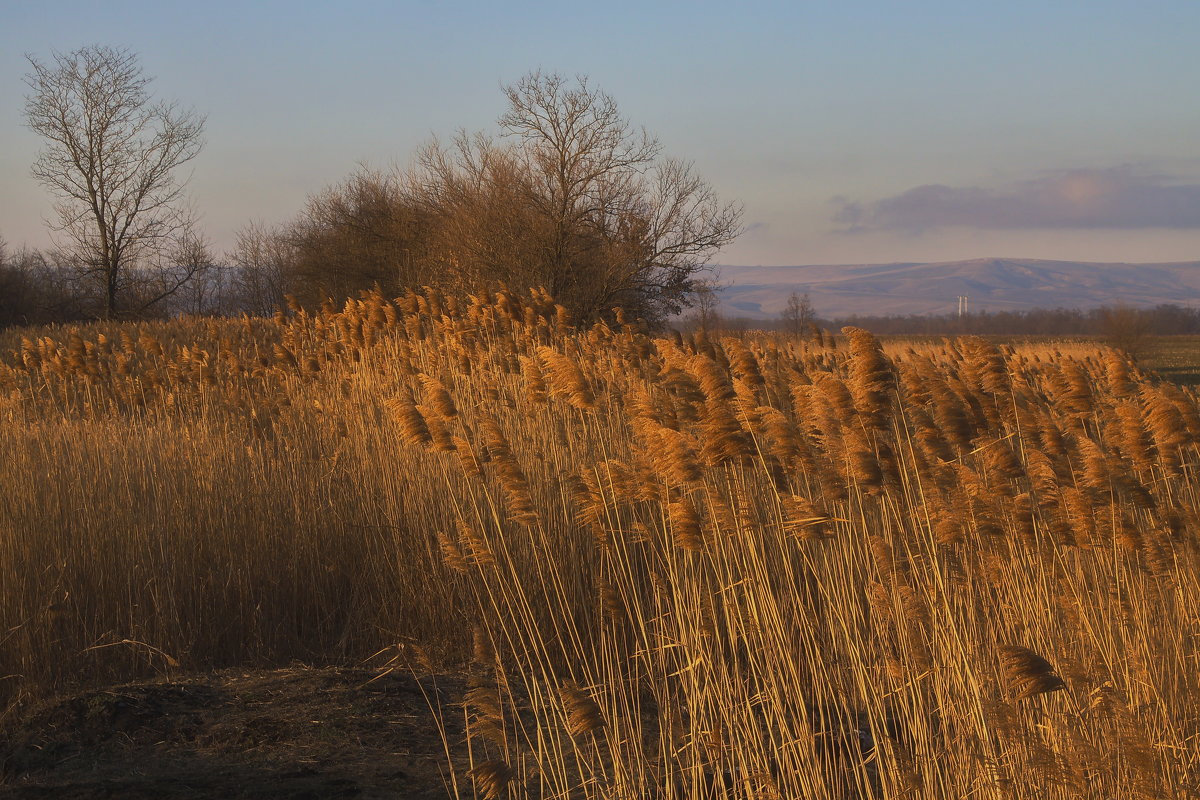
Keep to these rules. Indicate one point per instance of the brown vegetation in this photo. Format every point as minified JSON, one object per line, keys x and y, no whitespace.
{"x":567,"y":194}
{"x":571,"y":197}
{"x":689,"y":567}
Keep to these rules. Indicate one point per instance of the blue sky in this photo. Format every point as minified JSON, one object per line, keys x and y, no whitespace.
{"x":850,"y":131}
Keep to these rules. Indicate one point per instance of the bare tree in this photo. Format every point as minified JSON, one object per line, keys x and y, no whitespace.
{"x":34,"y":290}
{"x":571,"y":198}
{"x":625,"y":228}
{"x":360,"y":233}
{"x":706,"y":304}
{"x":110,"y":159}
{"x":1126,"y":329}
{"x":261,"y":262}
{"x":484,"y":230}
{"x":12,"y":289}
{"x":798,"y":317}
{"x":196,"y":282}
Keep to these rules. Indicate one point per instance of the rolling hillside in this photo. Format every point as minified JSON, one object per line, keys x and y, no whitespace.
{"x":992,"y":284}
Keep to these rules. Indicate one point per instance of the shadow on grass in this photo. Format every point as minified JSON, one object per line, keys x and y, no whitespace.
{"x":1184,"y":376}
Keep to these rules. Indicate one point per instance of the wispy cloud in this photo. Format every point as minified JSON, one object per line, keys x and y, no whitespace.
{"x":1117,"y":197}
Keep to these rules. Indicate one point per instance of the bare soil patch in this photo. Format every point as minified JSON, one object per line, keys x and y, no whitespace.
{"x":294,"y":733}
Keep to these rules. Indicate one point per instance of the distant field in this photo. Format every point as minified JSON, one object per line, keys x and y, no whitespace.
{"x":1175,"y":357}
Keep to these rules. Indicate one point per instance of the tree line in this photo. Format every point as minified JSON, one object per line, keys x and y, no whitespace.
{"x":566,"y":195}
{"x":1161,"y":320}
{"x":1124,"y":327}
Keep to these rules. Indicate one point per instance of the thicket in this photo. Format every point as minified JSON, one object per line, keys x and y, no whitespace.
{"x":567,"y":195}
{"x":690,"y":567}
{"x":34,"y":292}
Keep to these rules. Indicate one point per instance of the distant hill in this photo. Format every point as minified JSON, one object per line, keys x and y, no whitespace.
{"x":992,"y":284}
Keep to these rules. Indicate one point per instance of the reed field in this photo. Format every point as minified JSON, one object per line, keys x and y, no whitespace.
{"x":676,"y":567}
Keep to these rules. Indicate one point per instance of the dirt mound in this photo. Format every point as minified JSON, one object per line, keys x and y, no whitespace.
{"x":294,"y":733}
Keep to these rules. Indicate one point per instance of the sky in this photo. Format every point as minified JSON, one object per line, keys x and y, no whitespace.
{"x":850,"y":132}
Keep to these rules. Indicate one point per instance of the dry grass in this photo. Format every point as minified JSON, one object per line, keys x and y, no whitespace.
{"x":759,"y":568}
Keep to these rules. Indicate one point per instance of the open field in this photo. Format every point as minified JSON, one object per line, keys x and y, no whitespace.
{"x":664,"y":568}
{"x":1176,"y":358}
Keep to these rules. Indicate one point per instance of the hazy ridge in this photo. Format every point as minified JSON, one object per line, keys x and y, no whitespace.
{"x":992,"y":284}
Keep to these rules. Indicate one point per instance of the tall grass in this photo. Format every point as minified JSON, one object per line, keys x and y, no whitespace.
{"x":677,"y":568}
